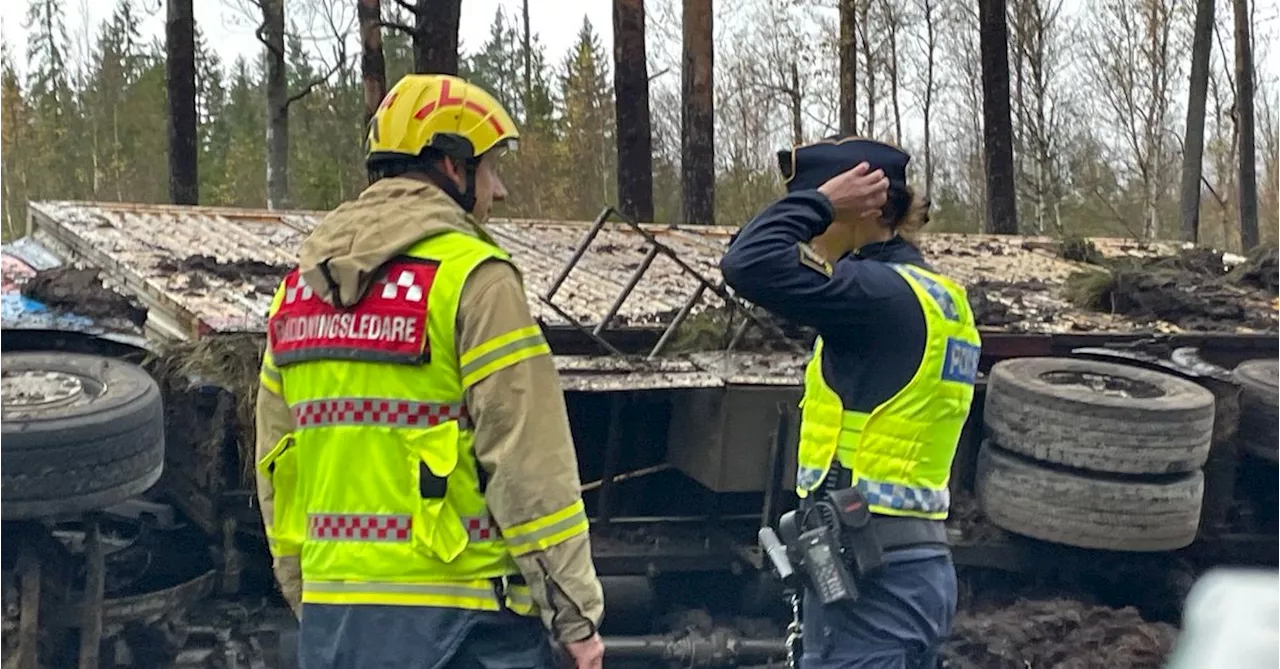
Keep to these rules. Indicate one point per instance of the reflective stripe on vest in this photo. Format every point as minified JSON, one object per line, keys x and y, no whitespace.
{"x":475,"y":594}
{"x":388,"y":506}
{"x":899,"y":454}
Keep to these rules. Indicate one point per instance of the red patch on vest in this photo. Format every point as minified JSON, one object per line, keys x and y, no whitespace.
{"x":388,"y":325}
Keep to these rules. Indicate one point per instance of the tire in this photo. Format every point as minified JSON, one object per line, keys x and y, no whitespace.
{"x":95,"y":440}
{"x":1042,"y":408}
{"x":1065,"y":507}
{"x":1258,"y":412}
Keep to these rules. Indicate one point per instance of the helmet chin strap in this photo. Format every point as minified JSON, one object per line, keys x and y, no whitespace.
{"x":465,"y":199}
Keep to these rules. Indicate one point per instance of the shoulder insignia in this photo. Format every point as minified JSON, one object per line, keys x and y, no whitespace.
{"x":814,"y":260}
{"x":388,"y":325}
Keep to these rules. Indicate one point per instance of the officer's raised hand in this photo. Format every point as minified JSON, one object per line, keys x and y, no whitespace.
{"x":856,"y":194}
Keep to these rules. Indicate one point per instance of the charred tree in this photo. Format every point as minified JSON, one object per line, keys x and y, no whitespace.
{"x":1193,"y":143}
{"x":631,"y":105}
{"x":180,"y":72}
{"x":434,"y":32}
{"x":435,"y":35}
{"x":997,"y":124}
{"x":697,"y":120}
{"x":373,"y":64}
{"x":1248,"y":181}
{"x":528,"y":49}
{"x":848,"y":67}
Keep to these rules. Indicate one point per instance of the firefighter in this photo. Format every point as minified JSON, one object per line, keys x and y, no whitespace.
{"x":417,"y":477}
{"x":887,"y":389}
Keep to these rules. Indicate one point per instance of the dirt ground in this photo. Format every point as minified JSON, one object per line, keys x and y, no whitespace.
{"x":1193,"y":290}
{"x":1057,"y":633}
{"x":81,"y":291}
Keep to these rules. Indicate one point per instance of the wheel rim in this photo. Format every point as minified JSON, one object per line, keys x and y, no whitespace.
{"x":1104,"y":384}
{"x":35,"y":390}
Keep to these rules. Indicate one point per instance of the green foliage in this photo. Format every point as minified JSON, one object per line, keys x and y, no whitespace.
{"x":98,"y":130}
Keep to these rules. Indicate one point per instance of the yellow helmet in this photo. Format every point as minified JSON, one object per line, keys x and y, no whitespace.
{"x":439,"y":112}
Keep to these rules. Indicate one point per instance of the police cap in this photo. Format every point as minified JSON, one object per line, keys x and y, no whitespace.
{"x":810,"y":165}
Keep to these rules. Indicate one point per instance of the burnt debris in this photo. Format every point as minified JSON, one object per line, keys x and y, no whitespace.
{"x":81,"y":291}
{"x":264,"y":277}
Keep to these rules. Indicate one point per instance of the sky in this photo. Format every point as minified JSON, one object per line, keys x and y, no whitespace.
{"x":555,"y":22}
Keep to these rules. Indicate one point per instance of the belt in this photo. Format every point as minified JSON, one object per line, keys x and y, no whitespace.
{"x":896,"y":533}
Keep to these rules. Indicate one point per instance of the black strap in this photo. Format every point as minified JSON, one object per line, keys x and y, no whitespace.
{"x":500,"y":584}
{"x":897,"y":533}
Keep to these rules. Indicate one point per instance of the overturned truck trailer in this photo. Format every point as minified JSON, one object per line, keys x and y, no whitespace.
{"x":682,"y":401}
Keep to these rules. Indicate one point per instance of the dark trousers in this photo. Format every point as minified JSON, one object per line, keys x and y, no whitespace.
{"x":901,"y":620}
{"x":419,"y":637}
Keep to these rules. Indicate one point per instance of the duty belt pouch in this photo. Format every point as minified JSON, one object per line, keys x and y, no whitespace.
{"x":857,"y":537}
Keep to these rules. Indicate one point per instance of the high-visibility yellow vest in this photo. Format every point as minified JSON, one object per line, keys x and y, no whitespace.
{"x":900,"y":453}
{"x":378,"y":488}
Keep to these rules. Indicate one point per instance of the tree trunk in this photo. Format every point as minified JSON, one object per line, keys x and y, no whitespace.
{"x":373,"y":65}
{"x":631,"y":104}
{"x":277,"y":106}
{"x":848,"y":68}
{"x":1193,"y":144}
{"x":180,"y":70}
{"x":997,"y":126}
{"x":435,"y":36}
{"x":868,"y":60}
{"x":697,"y":131}
{"x":931,"y":46}
{"x":528,"y":52}
{"x":797,"y":106}
{"x":1244,"y":109}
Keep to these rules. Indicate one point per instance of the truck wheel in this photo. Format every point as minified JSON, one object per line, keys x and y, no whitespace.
{"x":1065,"y":507}
{"x":1258,"y":413}
{"x":1098,"y":416}
{"x":80,"y":433}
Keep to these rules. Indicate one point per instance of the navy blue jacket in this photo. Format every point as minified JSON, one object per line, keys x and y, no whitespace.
{"x":871,"y":322}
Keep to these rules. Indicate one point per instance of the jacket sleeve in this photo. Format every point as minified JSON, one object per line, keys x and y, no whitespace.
{"x":274,"y":421}
{"x":772,"y":265}
{"x":522,"y":440}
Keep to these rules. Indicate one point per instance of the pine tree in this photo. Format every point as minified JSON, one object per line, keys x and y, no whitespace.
{"x":14,"y":137}
{"x":587,"y":123}
{"x":495,"y":66}
{"x":56,"y":166}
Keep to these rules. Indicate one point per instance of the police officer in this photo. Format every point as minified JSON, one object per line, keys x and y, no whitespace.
{"x":887,"y":390}
{"x":417,"y":477}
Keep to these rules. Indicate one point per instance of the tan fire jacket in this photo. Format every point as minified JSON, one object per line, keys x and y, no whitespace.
{"x":522,"y":428}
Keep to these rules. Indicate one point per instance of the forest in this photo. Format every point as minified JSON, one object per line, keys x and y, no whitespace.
{"x":1078,"y":115}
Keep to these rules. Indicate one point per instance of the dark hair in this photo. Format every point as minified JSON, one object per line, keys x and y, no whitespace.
{"x":424,"y":163}
{"x":906,"y":212}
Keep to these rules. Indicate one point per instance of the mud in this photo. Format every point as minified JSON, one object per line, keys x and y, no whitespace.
{"x":1198,"y":261}
{"x":1260,"y":270}
{"x":81,"y":291}
{"x":264,"y":277}
{"x":1187,"y":300}
{"x":1079,"y":249}
{"x":1192,"y":290}
{"x":1009,"y":304}
{"x":1057,"y":633}
{"x":230,"y":362}
{"x":966,"y":516}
